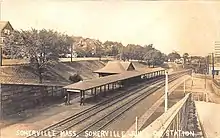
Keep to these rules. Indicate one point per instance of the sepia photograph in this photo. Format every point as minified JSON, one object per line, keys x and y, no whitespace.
{"x":109,"y":69}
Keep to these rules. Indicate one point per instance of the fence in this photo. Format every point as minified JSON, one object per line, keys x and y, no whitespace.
{"x":176,"y":118}
{"x":216,"y":86}
{"x":19,"y":97}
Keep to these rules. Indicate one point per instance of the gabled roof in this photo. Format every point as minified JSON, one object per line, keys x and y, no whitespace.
{"x":3,"y":24}
{"x":115,"y":67}
{"x":127,"y":64}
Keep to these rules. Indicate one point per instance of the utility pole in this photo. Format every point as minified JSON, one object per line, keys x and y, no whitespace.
{"x":207,"y":63}
{"x":1,"y":45}
{"x":71,"y":49}
{"x":1,"y":52}
{"x":166,"y":91}
{"x":205,"y":80}
{"x":213,"y":66}
{"x":192,"y":78}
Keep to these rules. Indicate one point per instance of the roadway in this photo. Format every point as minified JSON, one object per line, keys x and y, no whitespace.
{"x":7,"y":62}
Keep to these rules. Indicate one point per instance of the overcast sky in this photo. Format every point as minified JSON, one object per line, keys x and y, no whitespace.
{"x":186,"y":26}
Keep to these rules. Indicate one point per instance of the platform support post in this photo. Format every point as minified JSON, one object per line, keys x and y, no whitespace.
{"x":52,"y":91}
{"x":81,"y":97}
{"x":104,"y":90}
{"x":166,"y":91}
{"x":84,"y":97}
{"x":95,"y":94}
{"x":68,"y":97}
{"x":92,"y":91}
{"x":192,"y":77}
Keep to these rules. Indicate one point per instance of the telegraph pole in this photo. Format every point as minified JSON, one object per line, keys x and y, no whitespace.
{"x":205,"y":80}
{"x":166,"y":91}
{"x":192,"y":78}
{"x":213,"y":66}
{"x":71,"y":49}
{"x":1,"y":34}
{"x":208,"y":68}
{"x":1,"y":51}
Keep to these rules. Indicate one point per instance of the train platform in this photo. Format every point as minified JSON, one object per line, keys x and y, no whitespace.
{"x":38,"y":119}
{"x":208,"y":115}
{"x":42,"y":117}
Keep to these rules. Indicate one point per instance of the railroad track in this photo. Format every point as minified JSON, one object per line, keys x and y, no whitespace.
{"x":109,"y":117}
{"x":78,"y":118}
{"x":66,"y":123}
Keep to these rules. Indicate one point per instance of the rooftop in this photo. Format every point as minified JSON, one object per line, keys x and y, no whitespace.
{"x":88,"y":84}
{"x":116,"y":67}
{"x":3,"y":24}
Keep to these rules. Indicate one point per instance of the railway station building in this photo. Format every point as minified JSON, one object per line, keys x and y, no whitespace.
{"x":111,"y":82}
{"x":115,"y":67}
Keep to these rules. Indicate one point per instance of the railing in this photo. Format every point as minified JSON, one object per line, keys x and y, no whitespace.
{"x":216,"y":82}
{"x":175,"y":119}
{"x":216,"y":86}
{"x":203,"y":76}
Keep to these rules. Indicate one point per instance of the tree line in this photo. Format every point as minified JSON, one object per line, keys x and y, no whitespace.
{"x":45,"y":47}
{"x":42,"y":46}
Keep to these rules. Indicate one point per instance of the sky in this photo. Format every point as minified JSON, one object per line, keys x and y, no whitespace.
{"x":182,"y":26}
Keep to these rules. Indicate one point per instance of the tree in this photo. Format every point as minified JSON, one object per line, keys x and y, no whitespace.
{"x":173,"y":56}
{"x":42,"y":47}
{"x":12,"y":45}
{"x":112,"y":48}
{"x":154,"y":57}
{"x":185,"y":57}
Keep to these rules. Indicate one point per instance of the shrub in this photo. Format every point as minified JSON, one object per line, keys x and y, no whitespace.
{"x":75,"y":78}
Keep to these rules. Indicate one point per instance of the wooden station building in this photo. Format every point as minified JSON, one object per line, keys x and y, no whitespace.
{"x":111,"y":82}
{"x":115,"y":67}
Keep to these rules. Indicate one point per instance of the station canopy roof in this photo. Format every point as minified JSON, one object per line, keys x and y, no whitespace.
{"x":115,"y":67}
{"x":92,"y":83}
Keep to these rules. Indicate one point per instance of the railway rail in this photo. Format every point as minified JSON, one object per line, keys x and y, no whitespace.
{"x":115,"y":109}
{"x":102,"y":122}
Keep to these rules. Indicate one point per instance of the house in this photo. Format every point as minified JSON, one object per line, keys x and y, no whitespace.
{"x":5,"y":28}
{"x":115,"y":67}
